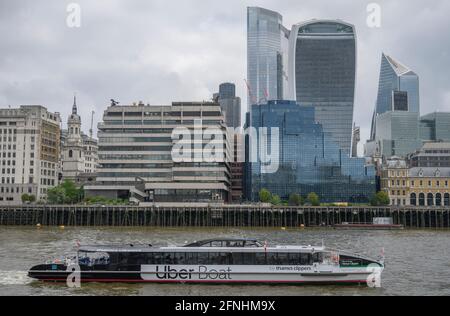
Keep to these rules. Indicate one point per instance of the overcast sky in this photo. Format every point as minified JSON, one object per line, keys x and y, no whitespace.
{"x":160,"y":51}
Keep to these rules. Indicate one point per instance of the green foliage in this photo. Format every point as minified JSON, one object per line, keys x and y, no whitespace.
{"x":380,"y":199}
{"x":65,"y":193}
{"x":265,"y":196}
{"x":276,"y":200}
{"x":296,"y":200}
{"x":313,"y":199}
{"x":28,"y":198}
{"x":96,"y":200}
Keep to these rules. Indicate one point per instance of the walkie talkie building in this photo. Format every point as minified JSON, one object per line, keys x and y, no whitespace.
{"x":322,"y":74}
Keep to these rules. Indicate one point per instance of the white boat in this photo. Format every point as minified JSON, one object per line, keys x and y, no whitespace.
{"x":223,"y":261}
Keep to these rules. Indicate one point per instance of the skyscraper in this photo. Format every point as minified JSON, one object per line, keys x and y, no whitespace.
{"x":398,"y":89}
{"x":267,"y":44}
{"x":395,"y":125}
{"x":322,"y":74}
{"x":230,"y":104}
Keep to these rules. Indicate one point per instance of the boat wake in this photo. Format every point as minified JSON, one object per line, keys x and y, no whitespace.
{"x":14,"y":278}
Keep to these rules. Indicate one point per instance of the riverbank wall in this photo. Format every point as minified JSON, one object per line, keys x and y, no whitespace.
{"x":218,"y":216}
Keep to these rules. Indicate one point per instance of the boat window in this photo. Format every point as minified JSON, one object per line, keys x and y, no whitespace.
{"x":306,"y":259}
{"x":260,"y":258}
{"x":239,"y":244}
{"x":191,"y":258}
{"x":93,"y":259}
{"x":318,"y":257}
{"x":216,"y":244}
{"x":179,"y":258}
{"x":202,"y":258}
{"x":244,"y":258}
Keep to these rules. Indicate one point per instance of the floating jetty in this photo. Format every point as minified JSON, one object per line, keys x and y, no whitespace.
{"x":219,"y":216}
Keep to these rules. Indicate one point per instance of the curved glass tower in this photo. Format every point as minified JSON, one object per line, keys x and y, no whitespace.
{"x":322,"y":74}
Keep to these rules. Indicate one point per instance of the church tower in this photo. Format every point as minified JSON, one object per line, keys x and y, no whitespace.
{"x":73,"y":154}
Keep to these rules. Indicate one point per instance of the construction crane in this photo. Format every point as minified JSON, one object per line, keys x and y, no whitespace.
{"x":252,"y":97}
{"x":91,"y":131}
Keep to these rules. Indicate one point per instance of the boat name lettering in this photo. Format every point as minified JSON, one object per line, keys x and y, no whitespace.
{"x":169,"y":273}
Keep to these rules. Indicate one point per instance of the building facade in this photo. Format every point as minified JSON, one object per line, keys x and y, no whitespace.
{"x":397,"y":134}
{"x":432,"y":154}
{"x":422,"y":180}
{"x":135,"y":154}
{"x":309,"y":159}
{"x":267,"y":55}
{"x":322,"y":74}
{"x":29,"y":152}
{"x":435,"y":127}
{"x":395,"y":181}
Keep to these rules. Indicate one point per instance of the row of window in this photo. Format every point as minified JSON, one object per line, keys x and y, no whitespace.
{"x":217,"y":258}
{"x":430,"y":199}
{"x":15,"y":190}
{"x":403,"y":183}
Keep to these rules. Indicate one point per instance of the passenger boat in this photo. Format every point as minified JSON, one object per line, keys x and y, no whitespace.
{"x":222,"y":261}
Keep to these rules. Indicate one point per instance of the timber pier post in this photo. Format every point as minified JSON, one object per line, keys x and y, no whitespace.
{"x":218,"y":216}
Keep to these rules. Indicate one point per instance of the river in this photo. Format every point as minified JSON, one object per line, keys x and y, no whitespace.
{"x":417,"y":261}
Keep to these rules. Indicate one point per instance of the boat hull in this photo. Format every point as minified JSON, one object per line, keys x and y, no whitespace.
{"x":216,"y":275}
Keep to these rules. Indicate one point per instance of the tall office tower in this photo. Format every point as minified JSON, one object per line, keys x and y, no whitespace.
{"x":267,"y":51}
{"x":398,"y":90}
{"x":230,"y":104}
{"x":309,"y":160}
{"x":395,"y":124}
{"x":322,"y":74}
{"x":29,"y":152}
{"x":136,"y":161}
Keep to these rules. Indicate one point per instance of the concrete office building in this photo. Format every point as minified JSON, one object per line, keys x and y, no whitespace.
{"x":29,"y":152}
{"x":135,"y":155}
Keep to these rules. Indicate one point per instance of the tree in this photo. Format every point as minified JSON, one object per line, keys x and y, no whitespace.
{"x":71,"y":192}
{"x":32,"y":198}
{"x":296,"y":200}
{"x":25,"y":198}
{"x":313,"y":199}
{"x":380,"y":199}
{"x":265,"y":196}
{"x":276,"y":200}
{"x":56,"y":195}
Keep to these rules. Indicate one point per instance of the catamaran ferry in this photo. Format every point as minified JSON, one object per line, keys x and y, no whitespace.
{"x":222,"y":261}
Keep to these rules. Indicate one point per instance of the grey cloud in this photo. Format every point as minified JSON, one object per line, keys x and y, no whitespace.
{"x":159,"y":51}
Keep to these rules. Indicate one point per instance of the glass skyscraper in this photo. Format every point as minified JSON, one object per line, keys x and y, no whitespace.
{"x":398,"y":89}
{"x":267,"y":43}
{"x":396,"y":130}
{"x":322,"y":74}
{"x":309,"y":159}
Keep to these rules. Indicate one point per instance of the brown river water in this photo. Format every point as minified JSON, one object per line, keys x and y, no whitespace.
{"x":417,"y":261}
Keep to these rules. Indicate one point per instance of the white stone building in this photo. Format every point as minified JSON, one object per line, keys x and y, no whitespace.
{"x":29,"y":152}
